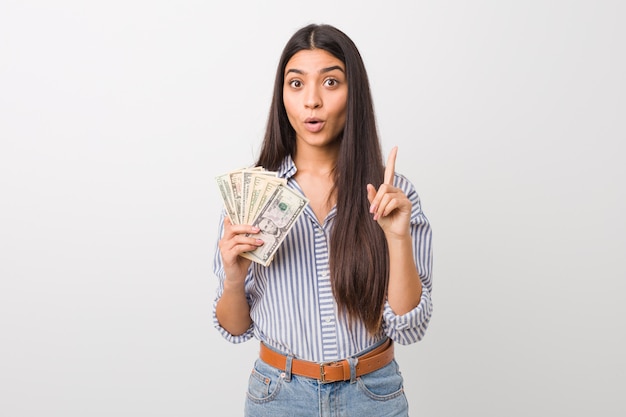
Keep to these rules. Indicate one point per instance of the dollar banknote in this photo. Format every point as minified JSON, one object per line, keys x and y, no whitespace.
{"x":254,"y":188}
{"x":275,"y":220}
{"x":224,"y":186}
{"x":259,"y":197}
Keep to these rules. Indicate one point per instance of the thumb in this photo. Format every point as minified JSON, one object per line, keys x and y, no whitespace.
{"x":371,"y":193}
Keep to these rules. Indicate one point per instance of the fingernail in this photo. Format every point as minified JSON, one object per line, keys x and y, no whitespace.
{"x":259,"y":241}
{"x":255,"y":229}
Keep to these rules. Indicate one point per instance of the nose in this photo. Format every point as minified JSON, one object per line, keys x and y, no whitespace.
{"x":313,"y":99}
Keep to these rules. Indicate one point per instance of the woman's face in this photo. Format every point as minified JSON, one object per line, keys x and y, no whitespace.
{"x":315,"y":93}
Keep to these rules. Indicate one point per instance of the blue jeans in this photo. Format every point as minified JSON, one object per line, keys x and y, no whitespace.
{"x":274,"y":393}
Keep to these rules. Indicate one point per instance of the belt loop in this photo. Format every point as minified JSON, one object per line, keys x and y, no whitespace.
{"x":288,"y":361}
{"x":353,"y":362}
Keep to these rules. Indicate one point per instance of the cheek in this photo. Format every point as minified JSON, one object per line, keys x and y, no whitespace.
{"x":341,"y":114}
{"x":290,"y":102}
{"x":340,"y":105}
{"x":289,"y":108}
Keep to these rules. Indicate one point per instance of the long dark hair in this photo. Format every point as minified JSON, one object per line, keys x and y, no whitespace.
{"x":359,"y":261}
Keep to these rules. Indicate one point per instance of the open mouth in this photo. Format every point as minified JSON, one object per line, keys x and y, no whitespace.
{"x":313,"y":125}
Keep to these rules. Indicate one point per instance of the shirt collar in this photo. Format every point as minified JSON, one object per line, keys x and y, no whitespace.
{"x":287,"y":168}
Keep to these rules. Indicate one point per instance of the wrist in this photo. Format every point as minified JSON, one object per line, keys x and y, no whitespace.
{"x":394,"y":237}
{"x":234,"y":285}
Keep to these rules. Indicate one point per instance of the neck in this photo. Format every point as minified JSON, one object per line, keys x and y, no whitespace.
{"x":314,"y":160}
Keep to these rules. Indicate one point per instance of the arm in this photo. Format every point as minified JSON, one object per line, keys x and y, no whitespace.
{"x":232,"y":309}
{"x":405,"y":288}
{"x":411,"y":327}
{"x":391,"y":208}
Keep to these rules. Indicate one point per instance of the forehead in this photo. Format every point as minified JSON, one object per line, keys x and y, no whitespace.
{"x":313,"y":60}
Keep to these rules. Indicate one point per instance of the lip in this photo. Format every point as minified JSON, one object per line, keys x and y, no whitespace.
{"x":313,"y":124}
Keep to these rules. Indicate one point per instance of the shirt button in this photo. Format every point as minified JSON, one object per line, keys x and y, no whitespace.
{"x":328,"y":319}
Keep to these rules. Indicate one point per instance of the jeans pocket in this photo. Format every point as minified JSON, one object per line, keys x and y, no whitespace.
{"x":264,"y":383}
{"x":383,"y":384}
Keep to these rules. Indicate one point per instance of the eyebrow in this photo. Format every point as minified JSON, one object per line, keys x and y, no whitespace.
{"x":322,"y":71}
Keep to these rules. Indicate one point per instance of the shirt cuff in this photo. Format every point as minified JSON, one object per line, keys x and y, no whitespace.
{"x":240,"y":338}
{"x":410,"y":327}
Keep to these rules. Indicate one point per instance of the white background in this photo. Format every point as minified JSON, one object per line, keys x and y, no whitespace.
{"x":116,"y":116}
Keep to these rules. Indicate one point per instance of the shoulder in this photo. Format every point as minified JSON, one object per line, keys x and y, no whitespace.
{"x":407,"y":187}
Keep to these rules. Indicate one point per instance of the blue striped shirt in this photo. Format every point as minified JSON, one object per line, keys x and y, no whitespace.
{"x":291,"y":301}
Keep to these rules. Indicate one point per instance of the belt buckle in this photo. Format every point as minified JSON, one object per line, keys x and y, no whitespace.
{"x":322,"y":373}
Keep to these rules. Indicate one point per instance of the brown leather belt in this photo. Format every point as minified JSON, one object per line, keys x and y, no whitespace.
{"x":331,"y":371}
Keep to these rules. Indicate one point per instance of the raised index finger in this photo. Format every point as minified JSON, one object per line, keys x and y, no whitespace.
{"x":390,"y":168}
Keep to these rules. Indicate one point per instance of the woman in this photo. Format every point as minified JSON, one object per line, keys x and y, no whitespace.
{"x":354,"y":273}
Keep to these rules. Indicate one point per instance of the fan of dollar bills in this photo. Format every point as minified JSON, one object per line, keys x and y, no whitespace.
{"x":260,"y":198}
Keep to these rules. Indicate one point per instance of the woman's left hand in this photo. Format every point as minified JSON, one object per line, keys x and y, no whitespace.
{"x":389,"y":205}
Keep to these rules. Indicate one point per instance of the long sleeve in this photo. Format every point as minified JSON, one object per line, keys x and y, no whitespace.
{"x":411,"y":327}
{"x":218,"y":271}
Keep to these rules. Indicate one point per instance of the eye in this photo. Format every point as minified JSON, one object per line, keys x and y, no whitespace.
{"x":295,"y":83}
{"x":331,"y":82}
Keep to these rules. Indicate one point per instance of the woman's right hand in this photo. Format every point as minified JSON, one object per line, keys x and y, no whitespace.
{"x":233,"y":243}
